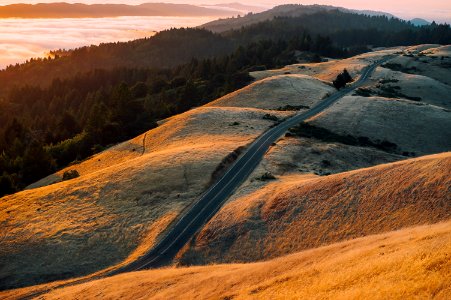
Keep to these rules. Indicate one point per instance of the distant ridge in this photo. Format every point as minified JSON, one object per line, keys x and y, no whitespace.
{"x":420,"y":22}
{"x":287,"y":10}
{"x":79,"y":10}
{"x":239,"y":6}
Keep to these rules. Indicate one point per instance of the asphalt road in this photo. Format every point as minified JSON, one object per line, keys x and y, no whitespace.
{"x":212,"y":200}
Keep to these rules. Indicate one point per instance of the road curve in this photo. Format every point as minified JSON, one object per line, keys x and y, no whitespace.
{"x":211,"y":201}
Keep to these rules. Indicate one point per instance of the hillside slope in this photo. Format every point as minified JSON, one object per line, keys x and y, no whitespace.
{"x":79,"y":226}
{"x":382,"y":119}
{"x":411,"y":263}
{"x":292,"y":214}
{"x":277,"y":92}
{"x":127,"y":195}
{"x":406,"y":102}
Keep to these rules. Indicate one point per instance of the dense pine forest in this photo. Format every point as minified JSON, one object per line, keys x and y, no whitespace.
{"x":59,"y":110}
{"x":45,"y":129}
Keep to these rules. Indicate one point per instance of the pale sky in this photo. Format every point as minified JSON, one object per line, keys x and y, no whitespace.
{"x":439,"y":10}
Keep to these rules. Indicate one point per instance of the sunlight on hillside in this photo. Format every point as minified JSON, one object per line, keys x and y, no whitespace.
{"x":403,"y":264}
{"x":224,"y":151}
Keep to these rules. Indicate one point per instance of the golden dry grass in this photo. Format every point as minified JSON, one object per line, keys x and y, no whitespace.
{"x":328,"y":71}
{"x":427,"y":61}
{"x":410,"y":263}
{"x":414,"y":127}
{"x":428,"y":89}
{"x":292,"y":214}
{"x":80,"y":226}
{"x":127,"y":194}
{"x":438,"y":51}
{"x":278,"y":91}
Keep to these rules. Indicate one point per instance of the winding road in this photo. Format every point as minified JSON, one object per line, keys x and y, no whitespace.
{"x":212,"y":200}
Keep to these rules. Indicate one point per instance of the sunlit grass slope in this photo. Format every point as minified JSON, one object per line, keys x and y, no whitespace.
{"x":289,"y":214}
{"x":405,"y":264}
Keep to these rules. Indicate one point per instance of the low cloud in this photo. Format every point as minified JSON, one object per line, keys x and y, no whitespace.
{"x":21,"y":39}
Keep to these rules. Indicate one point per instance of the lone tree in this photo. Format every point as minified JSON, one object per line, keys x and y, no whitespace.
{"x":342,"y":79}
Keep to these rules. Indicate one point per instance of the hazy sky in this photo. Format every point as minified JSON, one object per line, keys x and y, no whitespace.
{"x":439,"y":10}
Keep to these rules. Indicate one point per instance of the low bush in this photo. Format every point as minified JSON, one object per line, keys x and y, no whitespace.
{"x":70,"y":174}
{"x":310,"y":131}
{"x":271,"y":117}
{"x":342,"y":79}
{"x":225,"y":164}
{"x":267,"y":176}
{"x":292,"y":107}
{"x":364,"y":92}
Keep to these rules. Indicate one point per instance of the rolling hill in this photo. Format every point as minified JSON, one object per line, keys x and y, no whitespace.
{"x":294,"y":213}
{"x":127,"y":195}
{"x":248,"y":228}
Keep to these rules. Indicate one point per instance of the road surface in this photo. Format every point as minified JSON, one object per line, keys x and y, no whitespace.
{"x":211,"y":201}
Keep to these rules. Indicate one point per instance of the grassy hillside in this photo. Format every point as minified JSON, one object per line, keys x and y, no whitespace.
{"x":128,"y":194}
{"x":405,"y":103}
{"x":410,"y":263}
{"x":278,"y":93}
{"x":128,"y":188}
{"x":101,"y":217}
{"x":289,"y":215}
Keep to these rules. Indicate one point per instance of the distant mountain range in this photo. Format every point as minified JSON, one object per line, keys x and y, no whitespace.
{"x":420,"y":22}
{"x":244,"y":8}
{"x":287,"y":10}
{"x":252,"y":14}
{"x":78,"y":10}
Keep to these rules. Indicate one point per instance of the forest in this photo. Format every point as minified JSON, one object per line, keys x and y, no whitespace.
{"x":60,"y":110}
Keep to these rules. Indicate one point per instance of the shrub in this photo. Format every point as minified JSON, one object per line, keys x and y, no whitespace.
{"x":399,"y":67}
{"x":342,"y":79}
{"x":6,"y":185}
{"x":325,"y":163}
{"x":364,"y":92}
{"x":70,"y":174}
{"x":270,"y":117}
{"x":225,"y":164}
{"x":384,"y":81}
{"x":325,"y":135}
{"x":267,"y":176}
{"x":292,"y":107}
